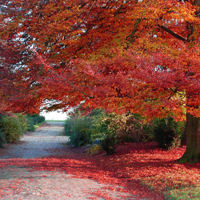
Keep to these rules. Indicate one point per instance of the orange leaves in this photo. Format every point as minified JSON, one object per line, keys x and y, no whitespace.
{"x":119,"y":55}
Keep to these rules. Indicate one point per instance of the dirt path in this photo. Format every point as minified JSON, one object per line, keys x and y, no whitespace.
{"x":20,"y":182}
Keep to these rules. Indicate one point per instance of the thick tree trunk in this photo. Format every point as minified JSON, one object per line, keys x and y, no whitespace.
{"x":192,"y":154}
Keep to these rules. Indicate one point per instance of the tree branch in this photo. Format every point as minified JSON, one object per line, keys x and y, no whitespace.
{"x":49,"y":69}
{"x":172,"y":33}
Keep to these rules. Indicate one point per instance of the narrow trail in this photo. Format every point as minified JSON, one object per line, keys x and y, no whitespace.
{"x":18,"y":181}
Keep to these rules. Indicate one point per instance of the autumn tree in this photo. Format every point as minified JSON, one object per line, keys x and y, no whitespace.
{"x":136,"y":56}
{"x":18,"y":92}
{"x":9,"y":61}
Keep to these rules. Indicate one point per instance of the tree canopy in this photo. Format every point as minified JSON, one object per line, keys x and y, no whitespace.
{"x":123,"y":55}
{"x":136,"y":55}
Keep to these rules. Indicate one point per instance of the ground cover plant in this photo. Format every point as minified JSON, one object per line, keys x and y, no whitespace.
{"x":133,"y":163}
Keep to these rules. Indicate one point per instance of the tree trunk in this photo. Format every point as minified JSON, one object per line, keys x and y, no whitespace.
{"x":192,"y":130}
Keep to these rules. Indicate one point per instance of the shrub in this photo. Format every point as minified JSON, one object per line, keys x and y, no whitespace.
{"x":68,"y":126}
{"x":94,"y":149}
{"x":11,"y":128}
{"x":129,"y":127}
{"x":96,"y":117}
{"x":30,"y":124}
{"x":23,"y":121}
{"x":148,"y":132}
{"x":109,"y":128}
{"x":83,"y":129}
{"x":168,"y":132}
{"x":37,"y":118}
{"x":34,"y":120}
{"x":40,"y":119}
{"x":109,"y":142}
{"x":79,"y":131}
{"x":2,"y":139}
{"x":133,"y":128}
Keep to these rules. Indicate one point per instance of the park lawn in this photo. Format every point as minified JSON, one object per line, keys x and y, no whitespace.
{"x":135,"y":166}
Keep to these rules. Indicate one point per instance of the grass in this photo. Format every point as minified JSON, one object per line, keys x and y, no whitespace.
{"x":39,"y":124}
{"x":185,"y":193}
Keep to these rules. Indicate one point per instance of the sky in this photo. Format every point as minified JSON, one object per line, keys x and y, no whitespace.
{"x":56,"y":115}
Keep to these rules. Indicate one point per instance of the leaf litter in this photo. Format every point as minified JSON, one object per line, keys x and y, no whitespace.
{"x":124,"y":175}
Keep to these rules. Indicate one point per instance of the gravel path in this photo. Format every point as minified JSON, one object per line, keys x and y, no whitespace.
{"x":21,"y":183}
{"x":38,"y":144}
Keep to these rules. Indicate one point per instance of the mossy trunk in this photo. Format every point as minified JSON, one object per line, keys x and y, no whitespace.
{"x":192,"y":153}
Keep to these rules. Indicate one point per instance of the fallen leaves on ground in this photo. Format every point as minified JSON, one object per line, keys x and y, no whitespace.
{"x":132,"y":165}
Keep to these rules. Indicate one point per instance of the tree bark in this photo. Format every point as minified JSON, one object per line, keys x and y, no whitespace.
{"x":192,"y":130}
{"x":192,"y":153}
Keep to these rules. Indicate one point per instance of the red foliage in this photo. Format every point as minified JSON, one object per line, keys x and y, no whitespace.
{"x":105,"y":53}
{"x":123,"y":56}
{"x":132,"y":164}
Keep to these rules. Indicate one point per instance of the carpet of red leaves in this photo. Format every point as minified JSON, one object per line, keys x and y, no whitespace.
{"x":132,"y":165}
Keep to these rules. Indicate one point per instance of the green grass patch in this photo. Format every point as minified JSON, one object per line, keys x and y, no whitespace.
{"x":185,"y":193}
{"x":173,"y":186}
{"x":39,"y":124}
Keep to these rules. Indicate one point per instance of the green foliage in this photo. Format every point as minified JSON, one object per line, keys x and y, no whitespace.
{"x":83,"y":129}
{"x":94,"y":149}
{"x":109,"y":142}
{"x":112,"y":129}
{"x":79,"y":130}
{"x":23,"y":121}
{"x":148,"y":132}
{"x":38,"y":125}
{"x":11,"y":127}
{"x":68,"y":126}
{"x":30,"y":124}
{"x":2,"y":139}
{"x":37,"y":118}
{"x":129,"y":127}
{"x":109,"y":128}
{"x":33,"y":120}
{"x":168,"y":132}
{"x":2,"y":136}
{"x":186,"y":193}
